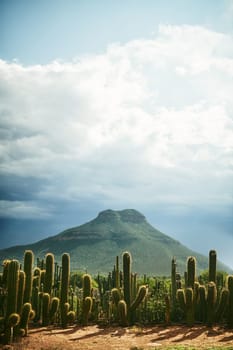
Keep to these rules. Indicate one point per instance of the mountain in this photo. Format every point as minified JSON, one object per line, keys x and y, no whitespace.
{"x":94,"y":245}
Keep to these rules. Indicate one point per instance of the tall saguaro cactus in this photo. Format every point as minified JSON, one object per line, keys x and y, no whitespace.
{"x":173,"y":284}
{"x":212,"y":265}
{"x":191,"y":271}
{"x":65,"y":282}
{"x":49,"y":273}
{"x":12,"y":287}
{"x":127,"y":277}
{"x":28,"y":264}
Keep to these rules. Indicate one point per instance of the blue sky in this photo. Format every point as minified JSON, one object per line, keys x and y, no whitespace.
{"x":117,"y":104}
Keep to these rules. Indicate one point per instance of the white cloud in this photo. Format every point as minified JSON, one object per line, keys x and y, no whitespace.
{"x":148,"y":120}
{"x":22,"y":210}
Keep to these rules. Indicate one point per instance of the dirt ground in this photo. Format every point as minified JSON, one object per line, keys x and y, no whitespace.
{"x":115,"y":338}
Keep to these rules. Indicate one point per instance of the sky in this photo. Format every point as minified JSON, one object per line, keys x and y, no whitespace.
{"x":114,"y":105}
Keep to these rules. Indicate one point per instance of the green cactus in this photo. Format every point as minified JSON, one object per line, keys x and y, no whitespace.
{"x":86,"y":284}
{"x":12,"y":287}
{"x":202,"y":304}
{"x":181,"y":299}
{"x":142,"y":291}
{"x":230,"y":306}
{"x":127,"y":277}
{"x":45,"y":309}
{"x":189,"y":307}
{"x":27,"y":314}
{"x":36,"y":302}
{"x":122,"y":312}
{"x":167,"y":310}
{"x":49,"y":273}
{"x":222,"y":306}
{"x":65,"y":279}
{"x":21,"y":288}
{"x":11,"y":323}
{"x":117,"y":281}
{"x":211,"y":302}
{"x":212,"y":266}
{"x":173,"y":283}
{"x":28,"y":265}
{"x":191,"y":272}
{"x":116,"y":296}
{"x":54,"y":307}
{"x":86,"y":310}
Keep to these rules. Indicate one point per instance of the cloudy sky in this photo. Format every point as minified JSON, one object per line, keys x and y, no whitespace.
{"x":117,"y":104}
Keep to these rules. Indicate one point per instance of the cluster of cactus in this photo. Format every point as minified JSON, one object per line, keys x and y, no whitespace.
{"x":44,"y":293}
{"x":206,"y":303}
{"x":126,"y":301}
{"x":16,"y":313}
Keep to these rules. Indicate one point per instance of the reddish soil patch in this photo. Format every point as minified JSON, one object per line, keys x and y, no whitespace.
{"x":115,"y":338}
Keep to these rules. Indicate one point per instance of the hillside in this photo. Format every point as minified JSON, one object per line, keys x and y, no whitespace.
{"x":94,"y":245}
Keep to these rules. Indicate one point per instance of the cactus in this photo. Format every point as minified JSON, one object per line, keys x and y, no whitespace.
{"x":122,"y":312}
{"x":212,"y":266}
{"x":27,"y":314}
{"x":45,"y":309}
{"x":167,"y":310}
{"x":36,"y":303}
{"x":173,"y":283}
{"x":230,"y":306}
{"x":86,"y":284}
{"x":21,"y":288}
{"x":139,"y":298}
{"x":202,"y":304}
{"x":49,"y":273}
{"x":189,"y":307}
{"x":28,"y":264}
{"x":222,"y":306}
{"x":54,"y":306}
{"x":181,"y":299}
{"x":65,"y":277}
{"x":127,"y":277}
{"x":117,"y":281}
{"x":86,"y":310}
{"x":11,"y":322}
{"x":12,"y":287}
{"x":191,"y":272}
{"x":116,"y":296}
{"x":211,"y":302}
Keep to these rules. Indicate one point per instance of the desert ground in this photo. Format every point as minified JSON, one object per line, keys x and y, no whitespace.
{"x":130,"y":338}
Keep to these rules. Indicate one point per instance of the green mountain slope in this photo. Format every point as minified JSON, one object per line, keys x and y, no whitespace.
{"x":94,"y":245}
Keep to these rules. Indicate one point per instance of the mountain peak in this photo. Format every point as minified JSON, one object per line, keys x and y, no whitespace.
{"x":126,"y":215}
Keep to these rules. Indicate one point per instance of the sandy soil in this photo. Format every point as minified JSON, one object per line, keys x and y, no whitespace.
{"x":115,"y":338}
